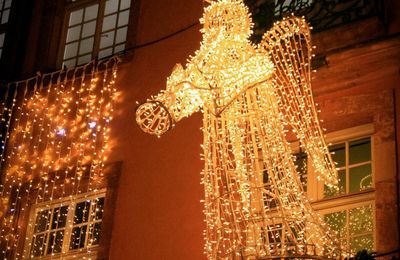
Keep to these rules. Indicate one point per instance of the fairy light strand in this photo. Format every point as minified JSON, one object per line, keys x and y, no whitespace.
{"x":50,"y":146}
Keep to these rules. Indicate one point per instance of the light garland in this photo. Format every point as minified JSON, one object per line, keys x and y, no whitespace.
{"x":250,"y":95}
{"x":56,"y":143}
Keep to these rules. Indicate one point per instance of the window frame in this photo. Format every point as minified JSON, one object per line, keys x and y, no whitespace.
{"x":4,"y":26}
{"x":71,"y":201}
{"x":76,"y":5}
{"x":346,"y":136}
{"x":347,"y":208}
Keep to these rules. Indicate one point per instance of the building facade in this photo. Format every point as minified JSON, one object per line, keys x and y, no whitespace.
{"x":140,"y":198}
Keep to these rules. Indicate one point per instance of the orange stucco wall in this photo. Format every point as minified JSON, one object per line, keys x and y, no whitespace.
{"x":158,"y":213}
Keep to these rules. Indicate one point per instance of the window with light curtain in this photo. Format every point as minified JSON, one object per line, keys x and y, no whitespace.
{"x":350,"y":210}
{"x":66,"y":227}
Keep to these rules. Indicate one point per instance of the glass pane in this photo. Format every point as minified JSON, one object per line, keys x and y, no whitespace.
{"x":123,"y":18}
{"x":119,"y":48}
{"x":107,"y":39}
{"x":362,"y":242}
{"x":73,"y":33}
{"x":360,"y":151}
{"x":337,"y":222}
{"x":125,"y":4}
{"x":91,"y":12}
{"x":105,"y":53}
{"x":84,"y":59}
{"x":329,"y":192}
{"x":86,"y":46}
{"x":339,"y":154}
{"x":70,"y":50}
{"x":59,"y":217}
{"x":94,"y":235}
{"x":78,"y":237}
{"x":55,"y":242}
{"x":121,"y":35}
{"x":82,"y":212}
{"x":98,"y":209}
{"x":4,"y":18}
{"x":360,"y":178}
{"x":2,"y":39}
{"x":109,"y":22}
{"x":88,"y":29}
{"x":38,"y":245}
{"x":361,"y":220}
{"x":111,"y":6}
{"x":76,"y":17}
{"x":69,"y":63}
{"x":7,"y":4}
{"x":42,"y":221}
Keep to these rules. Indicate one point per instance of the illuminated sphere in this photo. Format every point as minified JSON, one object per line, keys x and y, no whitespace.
{"x":153,"y":118}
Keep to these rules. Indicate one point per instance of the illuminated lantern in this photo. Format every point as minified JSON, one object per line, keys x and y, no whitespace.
{"x":255,"y":206}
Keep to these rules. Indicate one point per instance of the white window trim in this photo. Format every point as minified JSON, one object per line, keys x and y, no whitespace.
{"x":83,"y":253}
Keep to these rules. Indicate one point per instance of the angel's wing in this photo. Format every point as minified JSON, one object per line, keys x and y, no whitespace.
{"x":289,"y":47}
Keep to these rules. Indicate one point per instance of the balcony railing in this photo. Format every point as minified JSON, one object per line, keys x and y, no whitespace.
{"x":321,"y":14}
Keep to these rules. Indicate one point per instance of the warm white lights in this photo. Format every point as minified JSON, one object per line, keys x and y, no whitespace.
{"x":251,"y":96}
{"x":56,"y":138}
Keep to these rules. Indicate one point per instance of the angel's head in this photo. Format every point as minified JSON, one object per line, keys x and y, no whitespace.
{"x":228,"y":19}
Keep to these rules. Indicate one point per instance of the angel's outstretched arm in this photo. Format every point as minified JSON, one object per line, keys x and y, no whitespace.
{"x":181,"y":98}
{"x":289,"y":47}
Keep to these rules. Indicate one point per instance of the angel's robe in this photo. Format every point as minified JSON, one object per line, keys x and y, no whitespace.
{"x":254,"y":202}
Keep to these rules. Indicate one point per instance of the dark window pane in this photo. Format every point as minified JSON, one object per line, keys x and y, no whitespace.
{"x":98,"y":209}
{"x":360,"y":178}
{"x":360,"y":151}
{"x":55,"y":242}
{"x":94,"y":234}
{"x":78,"y":237}
{"x":339,"y":154}
{"x":329,"y":192}
{"x":59,"y":217}
{"x":42,"y":221}
{"x":38,"y":245}
{"x":82,"y":212}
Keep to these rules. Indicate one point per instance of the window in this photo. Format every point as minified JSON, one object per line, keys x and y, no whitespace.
{"x":96,"y":30}
{"x":65,"y":227}
{"x":354,"y":164}
{"x":355,"y":227}
{"x":290,"y":6}
{"x":5,"y":6}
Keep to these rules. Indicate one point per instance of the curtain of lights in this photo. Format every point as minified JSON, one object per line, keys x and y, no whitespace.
{"x":54,"y":137}
{"x":251,"y":96}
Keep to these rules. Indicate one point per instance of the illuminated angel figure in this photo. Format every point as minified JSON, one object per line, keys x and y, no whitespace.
{"x":250,"y":95}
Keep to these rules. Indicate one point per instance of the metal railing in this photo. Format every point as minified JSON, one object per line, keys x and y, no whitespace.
{"x":321,"y":14}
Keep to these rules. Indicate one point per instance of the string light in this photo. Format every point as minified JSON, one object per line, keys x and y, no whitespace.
{"x":251,"y":96}
{"x":56,"y":144}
